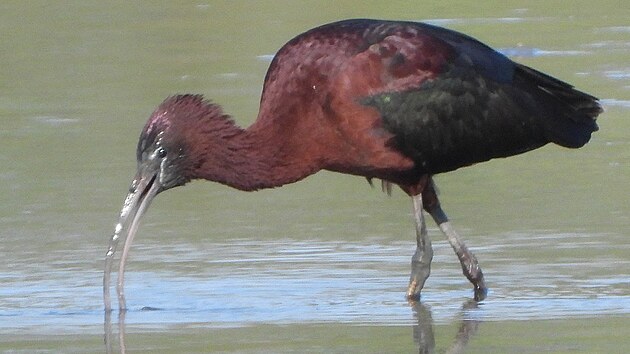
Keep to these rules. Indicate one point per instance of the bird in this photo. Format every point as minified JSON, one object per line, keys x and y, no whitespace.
{"x":397,"y":101}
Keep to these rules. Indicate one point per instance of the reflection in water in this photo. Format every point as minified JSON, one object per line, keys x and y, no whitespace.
{"x":423,"y":331}
{"x":107,"y":327}
{"x":109,"y":333}
{"x":423,"y":335}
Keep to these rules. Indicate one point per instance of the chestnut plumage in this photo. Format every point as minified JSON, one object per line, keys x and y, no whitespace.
{"x":397,"y":101}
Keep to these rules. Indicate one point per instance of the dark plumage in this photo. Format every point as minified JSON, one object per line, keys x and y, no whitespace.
{"x":399,"y":101}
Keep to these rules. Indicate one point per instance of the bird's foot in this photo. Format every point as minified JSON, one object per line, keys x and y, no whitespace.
{"x":473,"y":273}
{"x":413,"y":292}
{"x":480,"y":292}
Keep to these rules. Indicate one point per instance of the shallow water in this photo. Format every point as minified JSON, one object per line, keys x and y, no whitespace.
{"x":321,"y":265}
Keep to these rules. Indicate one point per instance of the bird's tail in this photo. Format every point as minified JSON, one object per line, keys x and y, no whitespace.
{"x":570,"y":115}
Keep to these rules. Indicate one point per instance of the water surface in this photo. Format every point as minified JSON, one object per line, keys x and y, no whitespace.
{"x":321,"y":265}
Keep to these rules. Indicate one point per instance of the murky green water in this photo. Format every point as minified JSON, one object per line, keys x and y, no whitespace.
{"x":318,"y":266}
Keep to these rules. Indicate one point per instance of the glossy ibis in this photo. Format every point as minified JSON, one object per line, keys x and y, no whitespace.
{"x":396,"y":101}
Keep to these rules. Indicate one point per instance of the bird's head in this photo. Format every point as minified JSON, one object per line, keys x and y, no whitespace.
{"x":162,"y":153}
{"x":168,"y":153}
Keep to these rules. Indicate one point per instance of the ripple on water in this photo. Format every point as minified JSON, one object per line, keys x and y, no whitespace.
{"x":245,"y":282}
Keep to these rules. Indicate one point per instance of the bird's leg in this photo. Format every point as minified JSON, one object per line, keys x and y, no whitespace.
{"x":421,"y":260}
{"x":469,"y":263}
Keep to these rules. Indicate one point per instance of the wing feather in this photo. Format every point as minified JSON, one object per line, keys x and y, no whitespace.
{"x":472,"y":104}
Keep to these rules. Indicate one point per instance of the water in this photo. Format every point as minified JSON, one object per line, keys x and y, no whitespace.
{"x":321,"y":265}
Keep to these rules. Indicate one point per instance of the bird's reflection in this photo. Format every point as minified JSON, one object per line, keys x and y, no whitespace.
{"x":423,"y":332}
{"x":423,"y":335}
{"x":109,"y":333}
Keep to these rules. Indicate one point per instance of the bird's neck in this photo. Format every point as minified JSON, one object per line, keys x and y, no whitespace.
{"x":250,"y":159}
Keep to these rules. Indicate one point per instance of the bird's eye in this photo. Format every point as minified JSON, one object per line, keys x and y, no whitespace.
{"x":161,"y":152}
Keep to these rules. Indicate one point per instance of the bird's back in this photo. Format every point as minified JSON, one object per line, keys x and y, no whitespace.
{"x":481,"y":105}
{"x":462,"y":117}
{"x":447,"y":100}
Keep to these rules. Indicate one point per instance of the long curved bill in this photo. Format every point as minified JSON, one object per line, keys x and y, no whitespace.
{"x":144,"y":188}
